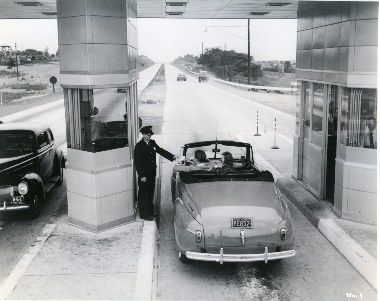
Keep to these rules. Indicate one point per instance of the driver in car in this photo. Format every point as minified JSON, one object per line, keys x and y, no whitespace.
{"x":227,"y":161}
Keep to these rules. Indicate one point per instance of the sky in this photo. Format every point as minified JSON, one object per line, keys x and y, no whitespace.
{"x":163,"y":40}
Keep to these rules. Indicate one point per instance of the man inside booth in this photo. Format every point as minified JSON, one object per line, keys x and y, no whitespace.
{"x":369,"y":137}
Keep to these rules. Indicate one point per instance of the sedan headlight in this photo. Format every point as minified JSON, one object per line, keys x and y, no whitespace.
{"x":23,"y":188}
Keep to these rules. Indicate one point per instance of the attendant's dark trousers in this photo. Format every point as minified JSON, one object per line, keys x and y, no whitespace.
{"x":146,"y":194}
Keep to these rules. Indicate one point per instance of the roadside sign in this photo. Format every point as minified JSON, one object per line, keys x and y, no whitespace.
{"x":53,"y":80}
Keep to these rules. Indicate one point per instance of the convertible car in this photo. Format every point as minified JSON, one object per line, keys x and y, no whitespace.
{"x":233,"y":214}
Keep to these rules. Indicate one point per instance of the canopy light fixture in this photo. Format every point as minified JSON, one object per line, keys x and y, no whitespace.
{"x":261,"y":13}
{"x":174,"y":15}
{"x":277,"y":4}
{"x":29,"y":3}
{"x":175,"y":7}
{"x":176,"y":2}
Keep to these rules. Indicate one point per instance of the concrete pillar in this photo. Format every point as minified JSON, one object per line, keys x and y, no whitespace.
{"x":98,"y":50}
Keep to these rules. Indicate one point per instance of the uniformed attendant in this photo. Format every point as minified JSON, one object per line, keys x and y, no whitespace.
{"x":145,"y":162}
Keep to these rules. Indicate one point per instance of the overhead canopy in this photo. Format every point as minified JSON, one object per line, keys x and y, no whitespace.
{"x":186,"y":9}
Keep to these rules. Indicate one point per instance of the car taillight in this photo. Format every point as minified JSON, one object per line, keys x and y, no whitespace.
{"x":283,"y":234}
{"x":198,"y":236}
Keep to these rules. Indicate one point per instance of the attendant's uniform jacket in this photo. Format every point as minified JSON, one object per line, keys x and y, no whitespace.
{"x":145,"y":157}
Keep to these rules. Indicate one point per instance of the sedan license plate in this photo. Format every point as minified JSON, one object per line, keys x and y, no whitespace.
{"x":18,"y":200}
{"x":242,"y":222}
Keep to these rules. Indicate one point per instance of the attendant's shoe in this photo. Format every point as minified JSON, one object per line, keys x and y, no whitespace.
{"x":147,"y":218}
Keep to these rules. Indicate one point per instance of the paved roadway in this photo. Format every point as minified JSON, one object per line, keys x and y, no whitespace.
{"x":199,"y":111}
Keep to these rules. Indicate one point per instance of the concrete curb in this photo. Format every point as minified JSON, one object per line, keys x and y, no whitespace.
{"x":146,"y":280}
{"x":13,"y":279}
{"x":304,"y":200}
{"x":144,"y":289}
{"x":360,"y":259}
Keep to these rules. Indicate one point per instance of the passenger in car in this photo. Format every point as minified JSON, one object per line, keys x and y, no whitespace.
{"x":227,"y":161}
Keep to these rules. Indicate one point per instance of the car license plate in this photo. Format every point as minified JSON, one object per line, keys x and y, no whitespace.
{"x":242,"y":222}
{"x":18,"y":200}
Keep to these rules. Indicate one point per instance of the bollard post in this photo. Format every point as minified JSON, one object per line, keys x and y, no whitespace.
{"x":257,"y":124}
{"x":275,"y":131}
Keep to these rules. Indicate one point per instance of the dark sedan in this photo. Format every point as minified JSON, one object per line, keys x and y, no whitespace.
{"x":181,"y":76}
{"x":29,"y":161}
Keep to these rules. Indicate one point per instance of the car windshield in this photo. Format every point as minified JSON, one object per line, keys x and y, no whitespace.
{"x":207,"y":161}
{"x":213,"y":153}
{"x":15,"y":144}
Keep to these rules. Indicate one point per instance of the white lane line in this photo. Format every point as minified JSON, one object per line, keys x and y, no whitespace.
{"x":32,"y":111}
{"x":15,"y":276}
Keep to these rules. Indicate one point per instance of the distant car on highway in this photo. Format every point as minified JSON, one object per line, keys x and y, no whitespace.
{"x":181,"y":76}
{"x":228,"y":213}
{"x":30,"y":164}
{"x":203,"y":76}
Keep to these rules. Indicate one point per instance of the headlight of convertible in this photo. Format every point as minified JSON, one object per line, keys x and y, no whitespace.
{"x":23,"y":188}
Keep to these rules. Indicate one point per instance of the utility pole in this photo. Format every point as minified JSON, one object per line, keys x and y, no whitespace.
{"x":16,"y":60}
{"x":249,"y":55}
{"x":202,"y":57}
{"x":224,"y":59}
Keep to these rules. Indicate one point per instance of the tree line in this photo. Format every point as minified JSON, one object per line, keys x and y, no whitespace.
{"x":229,"y":65}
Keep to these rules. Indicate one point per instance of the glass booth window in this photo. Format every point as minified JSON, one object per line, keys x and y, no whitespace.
{"x":307,"y":110}
{"x":358,"y":123}
{"x":96,"y":119}
{"x":105,"y":121}
{"x":318,"y":93}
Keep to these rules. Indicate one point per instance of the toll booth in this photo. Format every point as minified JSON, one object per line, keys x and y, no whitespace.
{"x":98,"y":55}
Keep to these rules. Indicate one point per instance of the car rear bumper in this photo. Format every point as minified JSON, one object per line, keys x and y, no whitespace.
{"x":221,"y":257}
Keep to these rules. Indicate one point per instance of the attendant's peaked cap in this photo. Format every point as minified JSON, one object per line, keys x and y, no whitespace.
{"x":146,"y":130}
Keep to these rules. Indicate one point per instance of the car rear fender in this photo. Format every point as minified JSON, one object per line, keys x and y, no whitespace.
{"x":185,"y":227}
{"x":283,"y":205}
{"x":188,"y":203}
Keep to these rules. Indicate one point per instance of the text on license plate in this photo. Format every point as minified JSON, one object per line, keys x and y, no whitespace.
{"x":242,"y":222}
{"x":18,"y":200}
